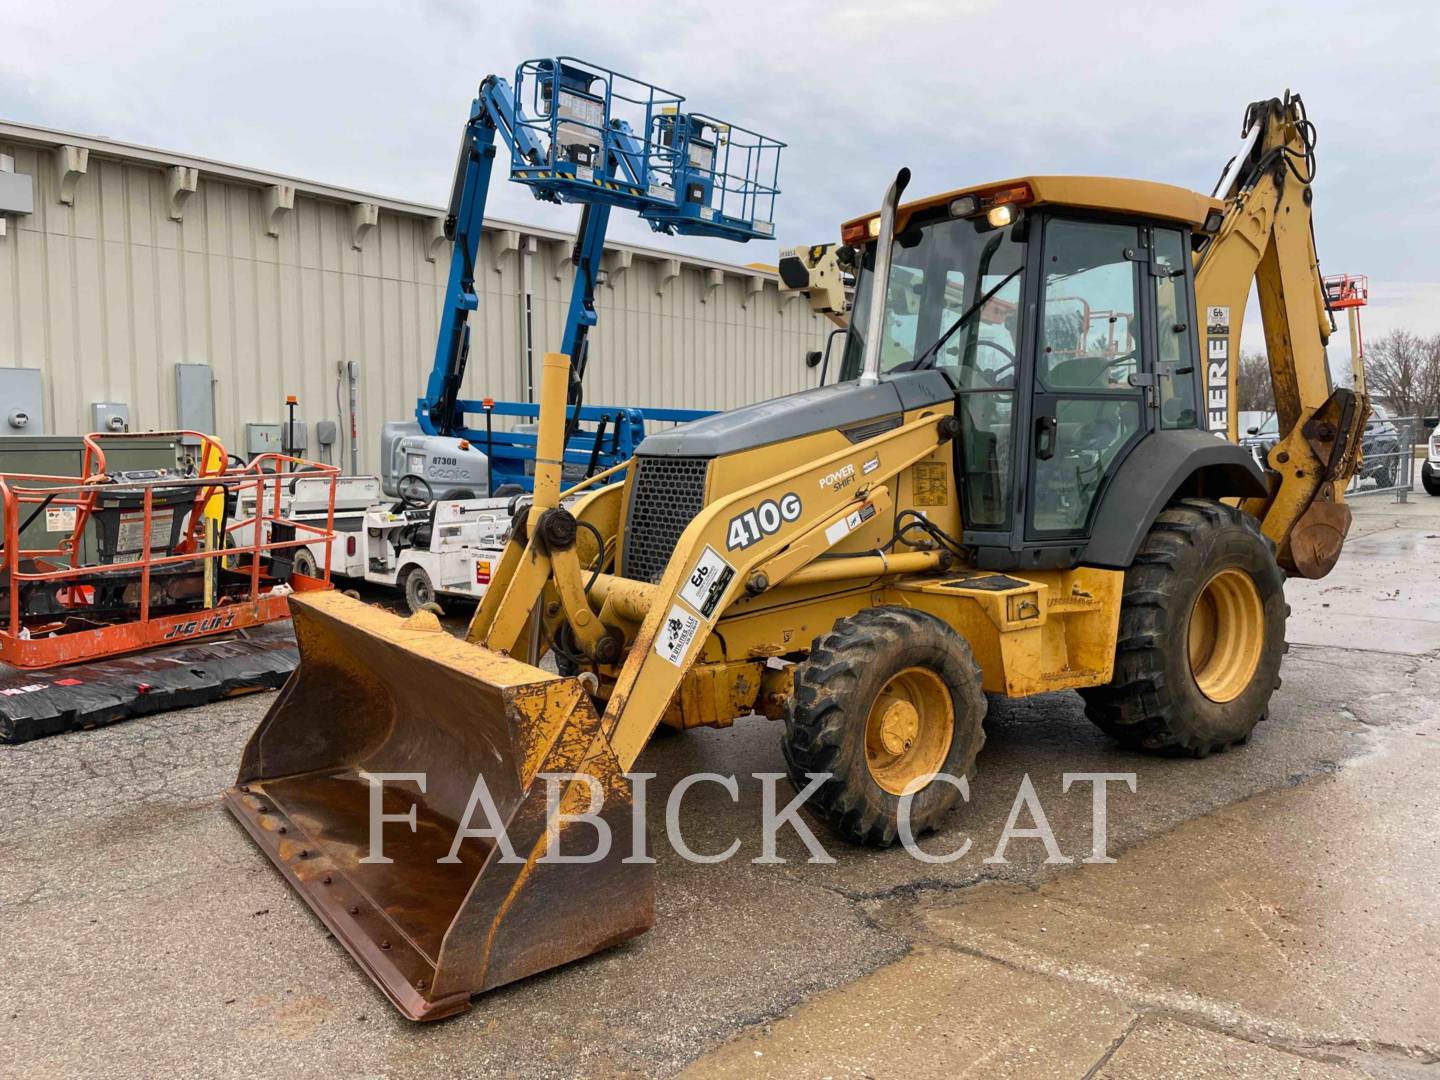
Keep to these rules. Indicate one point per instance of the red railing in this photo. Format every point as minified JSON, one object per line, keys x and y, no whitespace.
{"x":1347,"y":290}
{"x":73,"y":628}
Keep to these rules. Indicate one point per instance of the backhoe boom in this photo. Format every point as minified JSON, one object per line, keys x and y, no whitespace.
{"x":1267,"y":238}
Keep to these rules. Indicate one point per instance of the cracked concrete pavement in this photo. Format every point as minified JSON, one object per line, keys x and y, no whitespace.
{"x":1272,"y":911}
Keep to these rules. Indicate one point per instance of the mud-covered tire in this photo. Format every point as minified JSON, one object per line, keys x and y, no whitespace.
{"x":836,"y":688}
{"x":1155,"y":701}
{"x":304,"y":563}
{"x":419,"y":590}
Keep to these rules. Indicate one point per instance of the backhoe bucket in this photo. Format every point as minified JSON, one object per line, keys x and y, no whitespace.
{"x":377,"y":694}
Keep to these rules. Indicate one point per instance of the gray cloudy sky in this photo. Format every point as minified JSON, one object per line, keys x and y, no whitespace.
{"x":371,"y":95}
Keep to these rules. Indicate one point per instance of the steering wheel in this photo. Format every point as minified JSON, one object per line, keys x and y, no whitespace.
{"x":1127,"y":358}
{"x":1004,"y":370}
{"x":415,"y":490}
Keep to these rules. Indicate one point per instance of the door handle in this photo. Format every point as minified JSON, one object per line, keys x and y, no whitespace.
{"x":1045,"y":428}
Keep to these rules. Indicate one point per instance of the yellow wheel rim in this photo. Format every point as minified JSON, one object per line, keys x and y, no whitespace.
{"x":1226,"y":635}
{"x":909,"y":728}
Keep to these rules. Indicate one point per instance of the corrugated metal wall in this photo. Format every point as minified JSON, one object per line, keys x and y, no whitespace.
{"x":107,"y":295}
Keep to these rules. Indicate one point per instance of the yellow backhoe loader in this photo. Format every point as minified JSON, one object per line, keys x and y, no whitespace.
{"x":1016,"y":486}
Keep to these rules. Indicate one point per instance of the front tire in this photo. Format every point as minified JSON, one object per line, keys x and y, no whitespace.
{"x":886,"y":698}
{"x":419,"y":591}
{"x":1202,"y":633}
{"x":304,"y":563}
{"x":1429,"y":479}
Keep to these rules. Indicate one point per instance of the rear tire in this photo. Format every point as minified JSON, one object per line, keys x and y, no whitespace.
{"x":419,"y":590}
{"x":887,"y":696}
{"x":1202,"y":633}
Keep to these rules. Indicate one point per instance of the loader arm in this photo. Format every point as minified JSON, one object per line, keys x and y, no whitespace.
{"x":1266,"y":238}
{"x":812,"y":518}
{"x":750,"y":540}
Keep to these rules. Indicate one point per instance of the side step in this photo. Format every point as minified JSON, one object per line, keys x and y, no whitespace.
{"x":39,"y":702}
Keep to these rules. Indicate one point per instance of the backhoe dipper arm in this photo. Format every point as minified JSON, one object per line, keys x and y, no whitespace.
{"x":1266,"y":237}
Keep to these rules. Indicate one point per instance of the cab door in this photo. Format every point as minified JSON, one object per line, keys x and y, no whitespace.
{"x":1092,"y":398}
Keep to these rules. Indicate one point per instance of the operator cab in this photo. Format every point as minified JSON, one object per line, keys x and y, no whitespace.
{"x":1061,"y":310}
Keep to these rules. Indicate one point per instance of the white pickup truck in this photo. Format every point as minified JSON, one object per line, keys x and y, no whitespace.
{"x":1430,"y":471}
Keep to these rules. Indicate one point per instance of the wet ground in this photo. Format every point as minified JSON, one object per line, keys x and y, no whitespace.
{"x":1272,"y":911}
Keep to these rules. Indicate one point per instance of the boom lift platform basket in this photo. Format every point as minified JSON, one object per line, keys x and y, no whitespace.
{"x":595,"y":135}
{"x":146,"y":559}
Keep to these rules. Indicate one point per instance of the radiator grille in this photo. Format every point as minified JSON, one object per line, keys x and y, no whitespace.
{"x":665,"y":496}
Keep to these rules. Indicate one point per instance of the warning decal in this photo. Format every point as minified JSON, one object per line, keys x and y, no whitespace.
{"x":61,"y":520}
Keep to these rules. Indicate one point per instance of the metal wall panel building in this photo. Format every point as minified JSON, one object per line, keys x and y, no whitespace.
{"x":135,"y":260}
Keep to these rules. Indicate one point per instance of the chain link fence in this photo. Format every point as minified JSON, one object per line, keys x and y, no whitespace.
{"x":1389,"y":449}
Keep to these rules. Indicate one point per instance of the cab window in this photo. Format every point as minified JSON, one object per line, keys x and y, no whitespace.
{"x":1175,"y":364}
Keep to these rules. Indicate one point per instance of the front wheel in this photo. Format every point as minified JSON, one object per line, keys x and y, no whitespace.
{"x":419,"y":590}
{"x":886,"y":700}
{"x":304,"y":563}
{"x":1430,"y":479}
{"x":1202,"y":633}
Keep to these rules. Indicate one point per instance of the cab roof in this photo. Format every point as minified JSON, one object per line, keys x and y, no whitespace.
{"x":1143,"y":197}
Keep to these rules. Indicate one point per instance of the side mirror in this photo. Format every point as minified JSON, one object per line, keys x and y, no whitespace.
{"x":1252,"y":431}
{"x":813,"y":358}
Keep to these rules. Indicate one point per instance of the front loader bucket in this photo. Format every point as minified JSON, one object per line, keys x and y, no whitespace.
{"x":375,"y":693}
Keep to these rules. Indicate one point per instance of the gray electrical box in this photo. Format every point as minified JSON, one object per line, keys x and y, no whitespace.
{"x":109,"y":416}
{"x":17,"y":190}
{"x":299,"y":436}
{"x":325,"y":432}
{"x":263,"y":439}
{"x":194,"y":400}
{"x":22,"y":402}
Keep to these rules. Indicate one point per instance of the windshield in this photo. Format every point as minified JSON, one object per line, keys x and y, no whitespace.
{"x":948,"y":271}
{"x":941,"y":268}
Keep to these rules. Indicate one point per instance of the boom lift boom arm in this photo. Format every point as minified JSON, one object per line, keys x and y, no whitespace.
{"x":682,"y":172}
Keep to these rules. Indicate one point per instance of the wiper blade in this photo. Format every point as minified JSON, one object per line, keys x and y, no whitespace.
{"x":926,"y":358}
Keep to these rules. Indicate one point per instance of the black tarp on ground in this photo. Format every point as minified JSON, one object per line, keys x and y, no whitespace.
{"x":45,"y":701}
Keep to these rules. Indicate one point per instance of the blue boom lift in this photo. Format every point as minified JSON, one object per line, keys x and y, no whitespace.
{"x":579,"y":133}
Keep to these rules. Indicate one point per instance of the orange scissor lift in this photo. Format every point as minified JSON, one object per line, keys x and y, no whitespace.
{"x":155,"y":596}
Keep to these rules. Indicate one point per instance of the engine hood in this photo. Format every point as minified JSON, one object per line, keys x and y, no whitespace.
{"x":840,"y":406}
